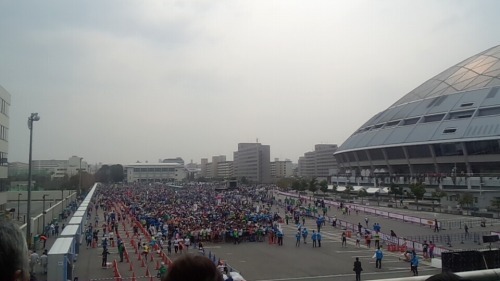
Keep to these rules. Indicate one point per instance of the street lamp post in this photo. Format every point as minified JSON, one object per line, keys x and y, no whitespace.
{"x":18,"y":200}
{"x":32,"y":118}
{"x":43,"y":212}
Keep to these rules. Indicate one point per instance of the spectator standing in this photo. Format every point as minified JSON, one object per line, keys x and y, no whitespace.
{"x":44,"y":261}
{"x":431,"y":249}
{"x":121,"y":250}
{"x":344,"y":239}
{"x":104,"y":255}
{"x":425,"y":249}
{"x":318,"y":237}
{"x":34,"y":260}
{"x":357,"y":269}
{"x":379,"y":255}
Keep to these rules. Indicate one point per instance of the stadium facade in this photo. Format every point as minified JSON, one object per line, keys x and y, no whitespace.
{"x":446,"y":133}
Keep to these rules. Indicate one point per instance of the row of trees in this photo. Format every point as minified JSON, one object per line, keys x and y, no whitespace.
{"x":417,"y":191}
{"x":106,"y":174}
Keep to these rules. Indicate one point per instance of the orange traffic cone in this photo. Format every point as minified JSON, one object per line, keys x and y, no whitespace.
{"x":133,"y":277}
{"x":147,"y":272}
{"x":142,"y":263}
{"x":157,"y":265}
{"x":139,"y":257}
{"x":151,"y":259}
{"x":130,"y":268}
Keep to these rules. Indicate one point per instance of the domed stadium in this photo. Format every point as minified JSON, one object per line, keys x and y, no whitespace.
{"x":445,"y":133}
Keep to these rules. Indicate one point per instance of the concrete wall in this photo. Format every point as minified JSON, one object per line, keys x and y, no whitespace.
{"x":38,"y":195}
{"x":51,"y":212}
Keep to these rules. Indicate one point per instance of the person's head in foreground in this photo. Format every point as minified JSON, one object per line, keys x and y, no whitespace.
{"x":193,"y":268}
{"x":13,"y":252}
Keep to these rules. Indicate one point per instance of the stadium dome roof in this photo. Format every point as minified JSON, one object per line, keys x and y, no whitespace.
{"x":479,"y":71}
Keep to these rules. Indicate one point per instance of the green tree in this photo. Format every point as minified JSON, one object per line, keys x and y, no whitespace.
{"x":296,"y":185}
{"x":437,"y":195}
{"x":313,"y":185}
{"x":334,"y":189}
{"x":284,"y":183}
{"x":466,"y":200}
{"x":418,"y":190}
{"x":116,"y":173}
{"x":323,"y":186}
{"x":495,"y":203}
{"x":396,"y":191}
{"x":348,"y":190}
{"x":303,"y":185}
{"x":362,"y":193}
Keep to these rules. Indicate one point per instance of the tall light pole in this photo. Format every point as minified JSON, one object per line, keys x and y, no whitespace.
{"x":43,"y":213}
{"x":18,"y":199}
{"x":32,"y":118}
{"x":80,"y":182}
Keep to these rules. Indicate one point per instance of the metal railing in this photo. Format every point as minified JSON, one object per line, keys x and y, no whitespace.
{"x":478,"y":275}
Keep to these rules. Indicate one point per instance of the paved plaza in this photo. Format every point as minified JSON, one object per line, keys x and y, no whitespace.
{"x":261,"y":261}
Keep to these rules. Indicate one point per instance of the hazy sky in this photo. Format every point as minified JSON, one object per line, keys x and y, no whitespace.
{"x":121,"y":81}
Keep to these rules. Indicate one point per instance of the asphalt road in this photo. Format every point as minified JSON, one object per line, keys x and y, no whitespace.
{"x":260,"y":261}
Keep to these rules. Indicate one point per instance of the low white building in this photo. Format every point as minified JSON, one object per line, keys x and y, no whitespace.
{"x":154,"y":172}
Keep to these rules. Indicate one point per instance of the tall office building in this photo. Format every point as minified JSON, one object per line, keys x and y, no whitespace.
{"x":4,"y":132}
{"x":281,"y":169}
{"x":319,"y":163}
{"x":252,"y":161}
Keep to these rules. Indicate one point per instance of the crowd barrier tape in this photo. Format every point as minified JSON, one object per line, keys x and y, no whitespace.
{"x":404,"y":218}
{"x":385,"y":238}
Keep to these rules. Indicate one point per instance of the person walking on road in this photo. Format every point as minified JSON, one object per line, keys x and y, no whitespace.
{"x":344,"y":239}
{"x":357,"y":269}
{"x":466,"y":229}
{"x":304,"y":234}
{"x":414,"y":265}
{"x":318,"y":237}
{"x":431,"y":249}
{"x":313,"y":237}
{"x":34,"y":260}
{"x":436,"y":225}
{"x":44,"y":261}
{"x":104,"y":254}
{"x":297,"y":236}
{"x":379,"y":255}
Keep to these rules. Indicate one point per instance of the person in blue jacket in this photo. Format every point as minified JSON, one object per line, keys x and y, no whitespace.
{"x":304,"y":234}
{"x":414,"y":265}
{"x":379,"y":255}
{"x":318,"y":237}
{"x":297,"y":236}
{"x":313,"y":237}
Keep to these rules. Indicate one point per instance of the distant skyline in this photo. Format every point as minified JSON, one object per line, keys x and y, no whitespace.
{"x":120,"y":82}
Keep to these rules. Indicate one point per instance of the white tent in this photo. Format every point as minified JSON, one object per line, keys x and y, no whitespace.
{"x":358,"y":188}
{"x":341,"y":188}
{"x":373,"y":190}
